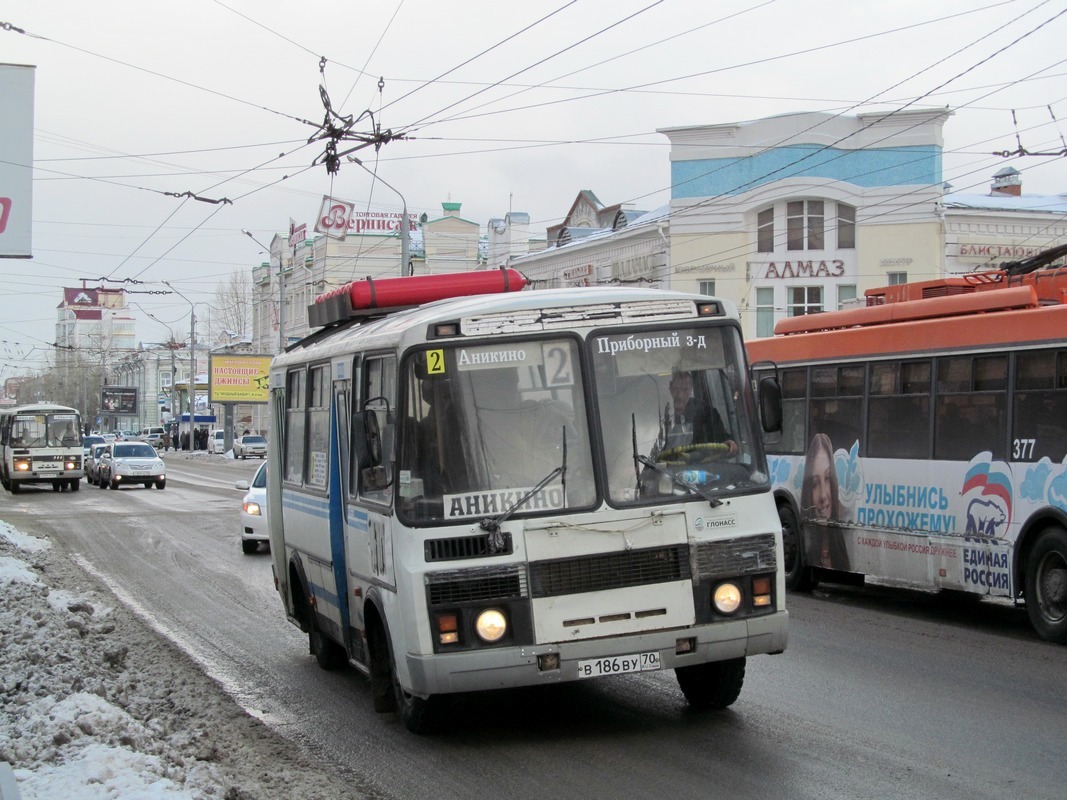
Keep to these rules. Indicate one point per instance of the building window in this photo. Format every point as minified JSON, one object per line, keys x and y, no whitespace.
{"x":846,"y":227}
{"x":804,"y":300}
{"x":845,"y":295}
{"x":804,"y":225}
{"x":765,"y":311}
{"x":896,"y":278}
{"x":707,"y":287}
{"x":765,"y":231}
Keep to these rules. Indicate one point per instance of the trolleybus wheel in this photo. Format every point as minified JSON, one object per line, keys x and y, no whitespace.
{"x":712,"y":686}
{"x":798,"y":576}
{"x":1046,"y":585}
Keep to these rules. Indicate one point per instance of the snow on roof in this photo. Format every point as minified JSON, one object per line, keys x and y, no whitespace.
{"x":1050,"y":203}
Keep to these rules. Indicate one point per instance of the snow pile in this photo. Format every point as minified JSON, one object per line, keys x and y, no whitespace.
{"x":95,"y":705}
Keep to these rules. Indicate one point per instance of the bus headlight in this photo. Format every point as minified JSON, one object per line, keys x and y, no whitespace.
{"x":727,"y":597}
{"x":22,"y":465}
{"x":491,"y":625}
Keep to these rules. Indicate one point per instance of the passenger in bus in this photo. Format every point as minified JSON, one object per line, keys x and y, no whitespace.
{"x":820,"y":503}
{"x":687,"y":421}
{"x":440,"y":455}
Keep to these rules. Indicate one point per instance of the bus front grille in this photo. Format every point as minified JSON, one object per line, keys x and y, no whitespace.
{"x":609,"y":571}
{"x":461,"y":547}
{"x":475,"y":585}
{"x":733,"y":557}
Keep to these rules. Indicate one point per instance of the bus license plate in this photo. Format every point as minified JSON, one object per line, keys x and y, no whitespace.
{"x":618,"y":665}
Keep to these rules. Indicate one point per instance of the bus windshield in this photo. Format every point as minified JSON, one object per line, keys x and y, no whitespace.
{"x":677,"y":415}
{"x":45,"y":430}
{"x":486,"y":426}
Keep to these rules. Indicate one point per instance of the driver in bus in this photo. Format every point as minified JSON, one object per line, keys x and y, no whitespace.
{"x":687,"y":421}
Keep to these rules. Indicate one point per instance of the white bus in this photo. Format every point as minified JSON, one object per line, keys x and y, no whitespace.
{"x":41,"y":444}
{"x":924,"y":439}
{"x":485,"y":491}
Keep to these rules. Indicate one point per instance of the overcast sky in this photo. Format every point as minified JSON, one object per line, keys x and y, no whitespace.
{"x":504,"y":106}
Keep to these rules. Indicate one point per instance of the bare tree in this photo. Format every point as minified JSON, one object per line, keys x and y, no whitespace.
{"x":231,"y":317}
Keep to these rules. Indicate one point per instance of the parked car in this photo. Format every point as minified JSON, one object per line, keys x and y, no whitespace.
{"x":92,"y":460}
{"x":123,"y":463}
{"x":254,"y":511}
{"x":217,"y":442}
{"x":153,"y":435}
{"x":249,"y":445}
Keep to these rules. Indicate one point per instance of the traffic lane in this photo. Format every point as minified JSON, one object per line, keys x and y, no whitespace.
{"x":835,"y":715}
{"x":209,"y":469}
{"x":937,"y":678}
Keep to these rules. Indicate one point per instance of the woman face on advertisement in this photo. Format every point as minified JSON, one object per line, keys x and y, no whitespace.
{"x":821,"y":486}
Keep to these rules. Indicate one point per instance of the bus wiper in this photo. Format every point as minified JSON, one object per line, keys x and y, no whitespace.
{"x":492,"y":524}
{"x":712,"y":499}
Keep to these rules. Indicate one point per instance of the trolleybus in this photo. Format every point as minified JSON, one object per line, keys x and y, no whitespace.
{"x":925,"y":438}
{"x":482,"y":492}
{"x":41,"y":443}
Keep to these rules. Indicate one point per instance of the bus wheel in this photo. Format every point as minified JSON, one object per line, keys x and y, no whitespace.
{"x":797,"y":574}
{"x":327,"y":652}
{"x":712,"y":686}
{"x":15,"y":488}
{"x":415,"y":712}
{"x":75,"y":485}
{"x":57,"y":487}
{"x":1046,"y":586}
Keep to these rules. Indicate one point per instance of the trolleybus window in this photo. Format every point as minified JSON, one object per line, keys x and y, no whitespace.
{"x":1040,"y":406}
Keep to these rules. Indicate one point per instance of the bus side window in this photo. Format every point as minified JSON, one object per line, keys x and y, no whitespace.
{"x":295,"y":402}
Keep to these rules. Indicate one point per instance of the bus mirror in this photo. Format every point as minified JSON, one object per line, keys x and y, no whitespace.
{"x":366,"y":439}
{"x":770,"y":403}
{"x":375,"y":478}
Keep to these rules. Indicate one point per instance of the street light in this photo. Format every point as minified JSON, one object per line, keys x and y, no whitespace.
{"x":405,"y":243}
{"x":281,"y":289}
{"x":192,"y":363}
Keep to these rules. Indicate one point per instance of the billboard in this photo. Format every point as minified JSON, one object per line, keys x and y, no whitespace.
{"x":16,"y":159}
{"x":238,"y":379}
{"x":120,"y":401}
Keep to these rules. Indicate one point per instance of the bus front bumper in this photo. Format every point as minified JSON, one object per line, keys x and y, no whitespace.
{"x":510,"y":667}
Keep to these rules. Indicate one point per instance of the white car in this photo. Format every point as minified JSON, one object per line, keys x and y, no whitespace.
{"x":123,"y":463}
{"x":217,"y":442}
{"x":254,"y":511}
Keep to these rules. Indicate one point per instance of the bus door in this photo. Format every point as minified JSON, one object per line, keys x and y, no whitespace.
{"x":371,"y":475}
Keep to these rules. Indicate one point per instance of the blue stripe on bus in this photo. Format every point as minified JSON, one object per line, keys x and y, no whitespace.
{"x":320,"y":507}
{"x":315,"y":506}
